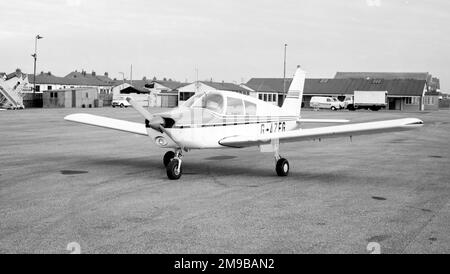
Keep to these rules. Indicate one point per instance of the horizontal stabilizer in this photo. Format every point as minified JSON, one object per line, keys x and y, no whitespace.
{"x":105,"y":122}
{"x":323,"y":132}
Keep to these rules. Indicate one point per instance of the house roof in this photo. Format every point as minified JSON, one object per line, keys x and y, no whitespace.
{"x":172,"y":85}
{"x":137,"y":84}
{"x":225,"y":86}
{"x":397,"y":87}
{"x":268,"y":84}
{"x":384,"y":75}
{"x":47,"y":79}
{"x":72,"y":79}
{"x":132,"y":89}
{"x":86,"y":79}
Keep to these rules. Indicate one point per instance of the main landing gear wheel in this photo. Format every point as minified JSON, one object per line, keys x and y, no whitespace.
{"x":168,"y":157}
{"x":282,"y":167}
{"x":174,"y":170}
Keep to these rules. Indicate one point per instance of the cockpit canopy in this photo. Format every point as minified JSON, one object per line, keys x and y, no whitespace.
{"x":217,"y":103}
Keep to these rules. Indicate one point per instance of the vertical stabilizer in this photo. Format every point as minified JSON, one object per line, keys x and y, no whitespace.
{"x":293,"y":102}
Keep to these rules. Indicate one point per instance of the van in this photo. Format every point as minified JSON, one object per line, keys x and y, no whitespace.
{"x":325,"y":102}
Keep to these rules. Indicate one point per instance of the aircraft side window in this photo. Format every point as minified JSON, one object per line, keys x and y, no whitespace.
{"x":328,"y":100}
{"x":235,"y":106}
{"x":250,"y":108}
{"x":214,"y":102}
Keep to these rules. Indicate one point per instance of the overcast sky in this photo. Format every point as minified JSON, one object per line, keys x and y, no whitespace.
{"x":230,"y":40}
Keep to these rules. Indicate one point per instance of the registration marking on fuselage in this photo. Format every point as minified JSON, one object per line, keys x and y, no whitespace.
{"x":273,"y":127}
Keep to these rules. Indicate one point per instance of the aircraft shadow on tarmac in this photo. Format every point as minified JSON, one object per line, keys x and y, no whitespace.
{"x":215,"y":166}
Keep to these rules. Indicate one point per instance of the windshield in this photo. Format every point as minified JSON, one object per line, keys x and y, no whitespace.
{"x":211,"y":101}
{"x":192,"y":100}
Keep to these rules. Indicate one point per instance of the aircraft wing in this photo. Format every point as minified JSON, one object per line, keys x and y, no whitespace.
{"x":105,"y":122}
{"x":323,"y":132}
{"x":303,"y":120}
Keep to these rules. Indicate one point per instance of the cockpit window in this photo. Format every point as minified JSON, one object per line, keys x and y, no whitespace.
{"x":192,"y":100}
{"x":235,"y":106}
{"x":211,"y":101}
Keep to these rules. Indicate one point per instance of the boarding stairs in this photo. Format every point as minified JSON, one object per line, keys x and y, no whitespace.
{"x":11,"y":97}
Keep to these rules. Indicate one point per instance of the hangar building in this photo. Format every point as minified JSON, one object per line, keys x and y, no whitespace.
{"x":403,"y":94}
{"x":71,"y":98}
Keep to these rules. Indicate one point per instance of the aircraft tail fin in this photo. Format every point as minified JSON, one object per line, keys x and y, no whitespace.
{"x":293,"y":101}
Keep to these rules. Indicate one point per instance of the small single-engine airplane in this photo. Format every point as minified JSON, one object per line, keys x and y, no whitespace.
{"x":211,"y":120}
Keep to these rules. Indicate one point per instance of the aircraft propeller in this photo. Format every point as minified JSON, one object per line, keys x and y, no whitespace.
{"x":152,"y":121}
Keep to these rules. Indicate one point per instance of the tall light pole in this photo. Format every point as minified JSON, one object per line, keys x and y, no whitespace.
{"x":131,"y":75}
{"x":35,"y":60}
{"x":123,"y":76}
{"x":284,"y":73}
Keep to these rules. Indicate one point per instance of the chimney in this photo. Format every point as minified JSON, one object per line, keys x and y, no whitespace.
{"x":49,"y":73}
{"x":18,"y":71}
{"x":106,"y":74}
{"x":83,"y":72}
{"x":42,"y":73}
{"x":93,"y":73}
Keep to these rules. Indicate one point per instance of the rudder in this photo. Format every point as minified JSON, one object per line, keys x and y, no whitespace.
{"x":293,"y":101}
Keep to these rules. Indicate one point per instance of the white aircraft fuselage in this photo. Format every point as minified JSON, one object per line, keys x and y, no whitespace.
{"x":196,"y":128}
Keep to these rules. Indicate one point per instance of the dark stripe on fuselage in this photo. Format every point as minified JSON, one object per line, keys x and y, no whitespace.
{"x":233,"y":123}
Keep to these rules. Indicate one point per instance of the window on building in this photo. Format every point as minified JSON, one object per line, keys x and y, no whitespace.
{"x":265,"y":97}
{"x":56,"y":95}
{"x":323,"y":81}
{"x":412,"y":100}
{"x":51,"y":94}
{"x":49,"y":87}
{"x":430,"y":100}
{"x":250,"y":108}
{"x":87,"y":95}
{"x":235,"y":106}
{"x":260,"y":96}
{"x":38,"y":88}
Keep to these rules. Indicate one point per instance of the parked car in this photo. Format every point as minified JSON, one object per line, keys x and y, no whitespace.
{"x":120,"y":102}
{"x":326,"y":102}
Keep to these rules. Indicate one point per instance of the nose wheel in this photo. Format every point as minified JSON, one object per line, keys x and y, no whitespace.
{"x":168,"y":157}
{"x":173,"y":168}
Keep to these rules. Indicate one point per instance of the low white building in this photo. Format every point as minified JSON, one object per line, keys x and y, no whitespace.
{"x":165,"y":93}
